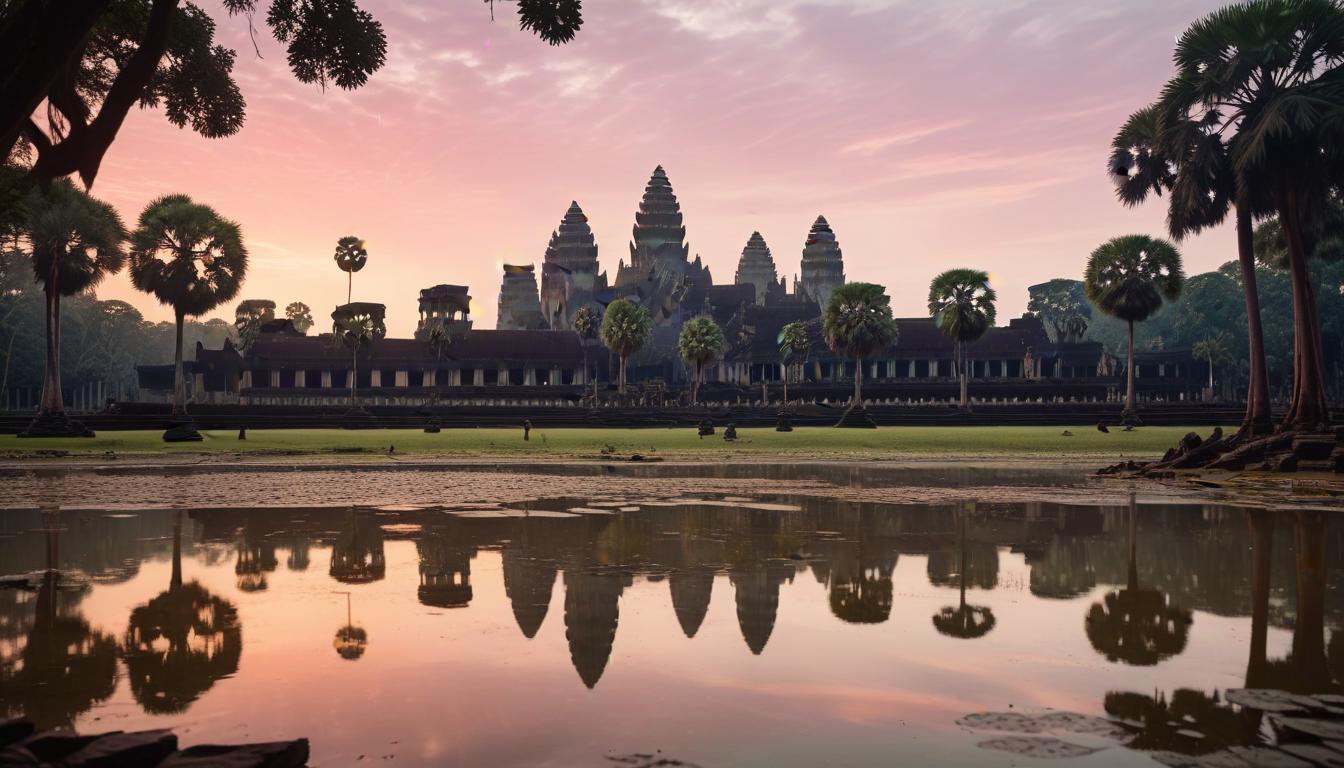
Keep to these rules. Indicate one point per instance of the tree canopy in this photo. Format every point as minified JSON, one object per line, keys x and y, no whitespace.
{"x":1128,"y":277}
{"x":91,"y":61}
{"x":857,"y":321}
{"x":187,"y":256}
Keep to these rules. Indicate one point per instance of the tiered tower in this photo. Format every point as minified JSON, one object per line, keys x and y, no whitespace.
{"x":519,"y":307}
{"x":445,"y":313}
{"x":757,"y":267}
{"x":823,"y":268}
{"x":569,"y":272}
{"x":659,"y":274}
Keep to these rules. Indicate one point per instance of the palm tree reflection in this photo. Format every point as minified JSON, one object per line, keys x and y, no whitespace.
{"x":351,"y":641}
{"x":962,"y":620}
{"x":179,"y":643}
{"x":1135,"y":625}
{"x":62,"y":666}
{"x":1195,"y":723}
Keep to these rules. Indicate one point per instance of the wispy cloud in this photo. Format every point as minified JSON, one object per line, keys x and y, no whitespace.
{"x":877,"y":143}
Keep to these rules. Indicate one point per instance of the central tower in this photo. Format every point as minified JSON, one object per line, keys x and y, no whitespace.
{"x":659,"y":275}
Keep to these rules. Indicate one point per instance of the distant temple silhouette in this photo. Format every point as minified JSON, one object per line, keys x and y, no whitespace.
{"x":533,"y":351}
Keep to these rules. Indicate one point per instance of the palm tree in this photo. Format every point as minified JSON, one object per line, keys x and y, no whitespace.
{"x":857,"y":323}
{"x":793,"y":345}
{"x":701,"y":341}
{"x":585,"y":324}
{"x":248,"y":318}
{"x":625,"y":329}
{"x":1128,"y":278}
{"x":76,"y":240}
{"x":351,"y":256}
{"x":359,"y":324}
{"x":1213,"y":349}
{"x":961,"y":302}
{"x":300,"y":315}
{"x":1187,"y":157}
{"x":1266,"y":75}
{"x":191,"y":259}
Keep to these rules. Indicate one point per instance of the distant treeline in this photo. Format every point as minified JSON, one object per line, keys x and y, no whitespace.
{"x":1212,"y":307}
{"x":100,"y":340}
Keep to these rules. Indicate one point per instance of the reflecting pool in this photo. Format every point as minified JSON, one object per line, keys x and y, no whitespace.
{"x":679,"y":628}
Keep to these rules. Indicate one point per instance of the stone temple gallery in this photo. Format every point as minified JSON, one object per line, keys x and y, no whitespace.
{"x":534,"y":353}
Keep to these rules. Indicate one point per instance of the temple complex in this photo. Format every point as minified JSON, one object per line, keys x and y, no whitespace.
{"x":823,"y":268}
{"x":757,"y":269}
{"x":519,"y":304}
{"x":534,"y":353}
{"x":570,"y":277}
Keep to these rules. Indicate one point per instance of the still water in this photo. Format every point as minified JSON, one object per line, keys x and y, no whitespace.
{"x":714,"y":630}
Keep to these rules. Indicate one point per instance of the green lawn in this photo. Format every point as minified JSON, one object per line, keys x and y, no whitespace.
{"x":680,"y":443}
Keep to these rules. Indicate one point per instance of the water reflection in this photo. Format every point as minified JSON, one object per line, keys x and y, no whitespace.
{"x":57,"y":666}
{"x":1137,"y":625}
{"x":1197,"y":723}
{"x":966,"y":621}
{"x":1135,"y":584}
{"x":179,"y":643}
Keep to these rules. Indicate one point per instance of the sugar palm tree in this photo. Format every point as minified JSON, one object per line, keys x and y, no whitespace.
{"x":1267,"y":74}
{"x":1187,"y":157}
{"x":1128,"y":278}
{"x":585,"y":324}
{"x":625,"y":329}
{"x":191,"y":259}
{"x":357,"y":325}
{"x":701,"y":341}
{"x":75,"y":240}
{"x":1214,"y":350}
{"x":793,"y":345}
{"x":248,"y":317}
{"x":300,"y":315}
{"x":857,"y":323}
{"x":961,"y":302}
{"x":351,"y":256}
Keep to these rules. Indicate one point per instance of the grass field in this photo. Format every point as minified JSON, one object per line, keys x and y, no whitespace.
{"x":680,"y":443}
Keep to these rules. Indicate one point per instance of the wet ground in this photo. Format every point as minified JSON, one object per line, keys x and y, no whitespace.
{"x":845,"y":615}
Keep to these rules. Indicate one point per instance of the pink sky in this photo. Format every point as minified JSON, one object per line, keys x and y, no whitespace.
{"x":932,"y":134}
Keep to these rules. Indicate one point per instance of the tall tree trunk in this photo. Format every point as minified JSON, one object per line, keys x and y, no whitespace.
{"x":1257,"y":420}
{"x":9,"y":355}
{"x":52,"y":402}
{"x":1308,"y":409}
{"x":858,"y":381}
{"x":1129,"y":373}
{"x":354,"y":376}
{"x":179,"y":381}
{"x":784,"y":370}
{"x":622,"y":386}
{"x":695,"y":385}
{"x":965,"y":371}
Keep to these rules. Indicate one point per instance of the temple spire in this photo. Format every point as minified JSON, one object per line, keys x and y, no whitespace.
{"x":756,"y":267}
{"x":823,"y":268}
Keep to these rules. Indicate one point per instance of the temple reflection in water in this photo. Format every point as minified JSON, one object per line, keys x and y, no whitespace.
{"x":1135,"y":578}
